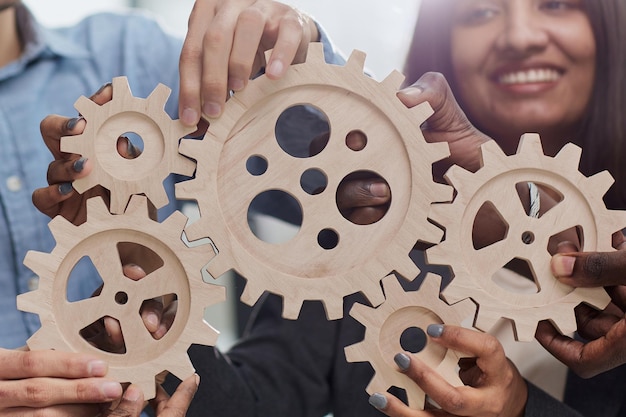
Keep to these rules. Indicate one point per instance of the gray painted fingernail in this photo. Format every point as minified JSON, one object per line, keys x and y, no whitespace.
{"x":71,"y":124}
{"x":79,"y":164}
{"x":378,"y":400}
{"x":434,"y":330}
{"x":402,"y":360}
{"x":65,"y":188}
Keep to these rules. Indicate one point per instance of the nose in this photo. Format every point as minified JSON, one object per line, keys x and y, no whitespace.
{"x":523,"y":33}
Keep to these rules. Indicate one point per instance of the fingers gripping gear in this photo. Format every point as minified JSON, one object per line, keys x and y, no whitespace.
{"x":301,"y":269}
{"x":178,"y":274}
{"x":527,"y":237}
{"x":145,"y":173}
{"x":385,"y":325}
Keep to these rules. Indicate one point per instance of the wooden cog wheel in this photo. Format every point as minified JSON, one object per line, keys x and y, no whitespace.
{"x":121,"y":298}
{"x":580,"y":207}
{"x":302,"y":268}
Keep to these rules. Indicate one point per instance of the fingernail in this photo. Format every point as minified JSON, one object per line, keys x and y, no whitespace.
{"x":65,"y":188}
{"x":79,"y":164}
{"x":411,"y":91}
{"x":379,"y":401}
{"x":275,"y":68}
{"x":131,"y":149}
{"x":132,"y":393}
{"x":189,"y":117}
{"x":101,"y":89}
{"x":111,"y":390}
{"x":97,"y":368}
{"x":153,"y":320}
{"x":378,"y":189}
{"x":434,"y":330}
{"x":402,"y":360}
{"x":197,"y":379}
{"x":562,"y":265}
{"x":212,"y":109}
{"x":236,"y":84}
{"x":71,"y":124}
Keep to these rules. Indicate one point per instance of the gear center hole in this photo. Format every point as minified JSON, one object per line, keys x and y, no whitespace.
{"x":121,"y":298}
{"x":130,"y":145}
{"x":413,"y":340}
{"x":528,"y":237}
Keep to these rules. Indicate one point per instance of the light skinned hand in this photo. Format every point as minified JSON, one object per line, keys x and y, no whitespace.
{"x":604,"y":331}
{"x":493,"y":386}
{"x":225,"y":46}
{"x":53,"y":383}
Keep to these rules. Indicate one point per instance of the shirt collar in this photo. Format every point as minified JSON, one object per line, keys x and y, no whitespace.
{"x":40,"y":43}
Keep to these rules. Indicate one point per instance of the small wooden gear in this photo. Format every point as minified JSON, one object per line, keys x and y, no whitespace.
{"x":301,"y":268}
{"x":122,"y":115}
{"x":121,"y":297}
{"x":527,"y":237}
{"x":385,"y":325}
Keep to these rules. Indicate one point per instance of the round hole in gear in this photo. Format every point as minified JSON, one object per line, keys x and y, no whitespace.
{"x":528,"y":237}
{"x":413,"y":340}
{"x":328,"y":239}
{"x":352,"y":214}
{"x":121,"y":298}
{"x":135,"y":145}
{"x":256,"y":165}
{"x":302,"y":130}
{"x":356,"y":140}
{"x":274,"y":216}
{"x":313,"y":181}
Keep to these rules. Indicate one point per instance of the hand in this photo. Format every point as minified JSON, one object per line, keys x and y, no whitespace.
{"x":52,"y":382}
{"x":605,"y":331}
{"x":132,"y":402}
{"x":448,"y":123}
{"x":225,"y":46}
{"x":493,"y":387}
{"x":59,"y":198}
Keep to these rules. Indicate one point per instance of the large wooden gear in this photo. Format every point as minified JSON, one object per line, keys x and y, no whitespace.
{"x":127,"y":114}
{"x":581,"y":207}
{"x":385,"y":325}
{"x":121,"y":297}
{"x":301,"y":269}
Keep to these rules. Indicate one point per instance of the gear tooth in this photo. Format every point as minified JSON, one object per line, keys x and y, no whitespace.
{"x":292,"y":306}
{"x":524,"y":330}
{"x":431,"y":286}
{"x":595,"y":297}
{"x":419,"y":114}
{"x":191,"y":147}
{"x":333,"y":308}
{"x":530,"y":143}
{"x":353,"y":353}
{"x":315,"y":52}
{"x":442,"y":213}
{"x":219,"y":265}
{"x":486,"y":319}
{"x":179,"y":366}
{"x":407,"y":268}
{"x":372,"y":291}
{"x":251,"y":293}
{"x":208,"y":336}
{"x":439,"y":150}
{"x":157,"y":195}
{"x":97,"y":209}
{"x":393,"y":289}
{"x":72,"y":144}
{"x":85,"y":106}
{"x":356,"y":61}
{"x":394,"y":80}
{"x":466,"y":308}
{"x":121,"y":89}
{"x":60,"y":227}
{"x":184,"y":166}
{"x":158,"y":97}
{"x":452,"y":294}
{"x":491,"y":154}
{"x":444,"y":193}
{"x":184,"y":190}
{"x":455,"y":174}
{"x":600,"y":183}
{"x":29,"y":302}
{"x":39,"y":339}
{"x":361,"y":313}
{"x":118,"y":203}
{"x":431,"y":233}
{"x":416,"y":398}
{"x":138,"y":205}
{"x":569,"y":155}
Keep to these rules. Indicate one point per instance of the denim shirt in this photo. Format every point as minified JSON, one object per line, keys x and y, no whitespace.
{"x":57,"y":66}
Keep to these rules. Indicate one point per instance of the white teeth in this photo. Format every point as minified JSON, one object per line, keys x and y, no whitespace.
{"x":530,"y":76}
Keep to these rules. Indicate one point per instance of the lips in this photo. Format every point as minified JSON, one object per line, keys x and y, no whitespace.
{"x":529,"y":76}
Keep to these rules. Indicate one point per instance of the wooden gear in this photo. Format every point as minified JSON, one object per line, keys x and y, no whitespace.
{"x":121,"y":297}
{"x":301,"y":269}
{"x":127,"y":114}
{"x":385,"y":324}
{"x":582,"y":207}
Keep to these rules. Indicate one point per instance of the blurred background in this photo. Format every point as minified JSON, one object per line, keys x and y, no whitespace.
{"x":381,"y":29}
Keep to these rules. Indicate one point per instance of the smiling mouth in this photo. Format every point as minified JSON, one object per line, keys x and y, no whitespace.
{"x":529,"y":76}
